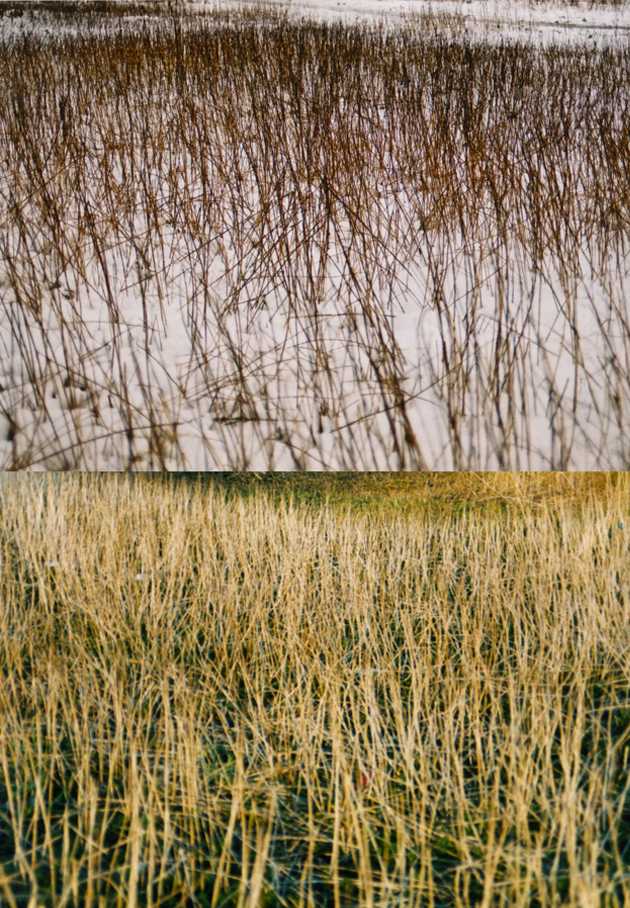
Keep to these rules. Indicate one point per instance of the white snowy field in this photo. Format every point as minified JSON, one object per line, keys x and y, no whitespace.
{"x":560,"y":22}
{"x":539,"y":21}
{"x":384,"y":236}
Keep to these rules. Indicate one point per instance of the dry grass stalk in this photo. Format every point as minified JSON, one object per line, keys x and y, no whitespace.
{"x":225,"y":700}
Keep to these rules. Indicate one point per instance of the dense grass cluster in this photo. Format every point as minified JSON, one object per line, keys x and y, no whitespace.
{"x":218,"y":700}
{"x":375,"y":246}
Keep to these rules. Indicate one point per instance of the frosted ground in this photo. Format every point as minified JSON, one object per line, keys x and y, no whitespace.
{"x":192,"y":347}
{"x":581,"y":22}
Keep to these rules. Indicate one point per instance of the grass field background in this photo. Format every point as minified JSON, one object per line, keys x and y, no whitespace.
{"x":271,"y":690}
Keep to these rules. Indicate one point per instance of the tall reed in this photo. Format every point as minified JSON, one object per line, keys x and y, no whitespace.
{"x":245,"y":241}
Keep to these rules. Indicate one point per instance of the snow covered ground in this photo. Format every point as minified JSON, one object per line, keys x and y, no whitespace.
{"x":581,"y":22}
{"x":541,"y":21}
{"x":241,"y":391}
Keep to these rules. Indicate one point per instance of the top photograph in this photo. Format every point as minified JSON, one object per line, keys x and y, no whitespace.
{"x":356,"y":235}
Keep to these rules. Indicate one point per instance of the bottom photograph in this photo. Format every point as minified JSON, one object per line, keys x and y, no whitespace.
{"x":314,"y":689}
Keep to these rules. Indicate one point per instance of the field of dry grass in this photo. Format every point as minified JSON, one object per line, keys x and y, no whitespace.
{"x":211,"y":698}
